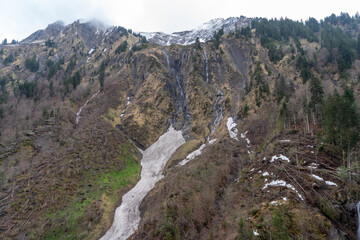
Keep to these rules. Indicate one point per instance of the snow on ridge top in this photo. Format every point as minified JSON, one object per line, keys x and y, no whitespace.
{"x":204,"y":32}
{"x":213,"y":23}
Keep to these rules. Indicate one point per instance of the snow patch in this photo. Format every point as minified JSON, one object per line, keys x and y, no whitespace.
{"x":91,"y":51}
{"x":281,"y":157}
{"x":313,"y":165}
{"x":192,"y":155}
{"x":317,"y":177}
{"x":282,"y":183}
{"x":212,"y":141}
{"x":255,"y":232}
{"x":195,"y":153}
{"x":284,"y":141}
{"x":243,"y":136}
{"x":231,"y":126}
{"x":128,"y":101}
{"x":127,"y":216}
{"x":321,"y":179}
{"x":279,"y":202}
{"x":265,"y":174}
{"x":330,"y":183}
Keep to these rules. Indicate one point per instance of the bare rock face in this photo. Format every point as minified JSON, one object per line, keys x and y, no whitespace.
{"x":51,"y":32}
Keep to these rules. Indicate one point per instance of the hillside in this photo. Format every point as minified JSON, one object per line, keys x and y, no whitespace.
{"x":268,"y":110}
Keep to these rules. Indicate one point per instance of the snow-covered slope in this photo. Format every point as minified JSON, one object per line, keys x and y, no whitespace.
{"x":204,"y":32}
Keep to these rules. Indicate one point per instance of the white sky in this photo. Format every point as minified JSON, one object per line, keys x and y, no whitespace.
{"x":20,"y":18}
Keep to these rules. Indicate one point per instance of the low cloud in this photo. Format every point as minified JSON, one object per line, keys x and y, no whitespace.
{"x":20,"y":18}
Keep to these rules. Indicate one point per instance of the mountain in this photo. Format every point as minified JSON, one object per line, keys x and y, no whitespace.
{"x":252,"y":132}
{"x":204,"y":32}
{"x":51,"y":31}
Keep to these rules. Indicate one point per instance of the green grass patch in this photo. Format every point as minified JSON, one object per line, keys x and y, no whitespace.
{"x":68,"y":223}
{"x":115,"y":179}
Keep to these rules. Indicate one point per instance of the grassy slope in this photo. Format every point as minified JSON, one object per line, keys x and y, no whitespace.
{"x":107,"y":186}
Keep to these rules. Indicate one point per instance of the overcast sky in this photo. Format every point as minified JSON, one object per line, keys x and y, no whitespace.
{"x":20,"y":18}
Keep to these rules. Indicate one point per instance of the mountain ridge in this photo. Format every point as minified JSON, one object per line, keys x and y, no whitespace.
{"x":254,"y":106}
{"x":204,"y":32}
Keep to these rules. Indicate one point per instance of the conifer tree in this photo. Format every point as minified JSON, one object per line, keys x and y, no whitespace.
{"x":341,"y":120}
{"x":317,"y":96}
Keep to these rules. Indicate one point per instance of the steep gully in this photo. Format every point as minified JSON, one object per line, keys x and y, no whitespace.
{"x":217,"y":107}
{"x":180,"y":100}
{"x":82,"y":107}
{"x":127,"y":216}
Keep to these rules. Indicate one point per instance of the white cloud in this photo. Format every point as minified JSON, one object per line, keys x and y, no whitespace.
{"x":20,"y":18}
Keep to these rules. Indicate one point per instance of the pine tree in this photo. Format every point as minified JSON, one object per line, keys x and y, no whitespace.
{"x":317,"y":96}
{"x":313,"y":24}
{"x":349,"y":121}
{"x":341,"y":120}
{"x":32,"y":64}
{"x":280,"y":88}
{"x":279,"y":222}
{"x":243,"y":231}
{"x":303,"y":65}
{"x":102,"y":75}
{"x":330,"y":118}
{"x":122,"y":47}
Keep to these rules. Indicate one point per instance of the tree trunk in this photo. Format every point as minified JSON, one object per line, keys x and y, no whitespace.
{"x":307,"y":123}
